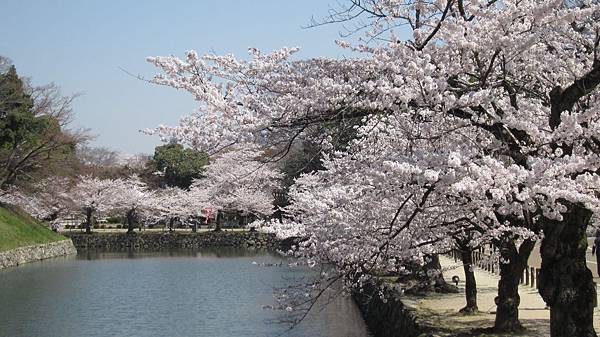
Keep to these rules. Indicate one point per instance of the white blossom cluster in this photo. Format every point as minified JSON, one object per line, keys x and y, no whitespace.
{"x":282,"y":229}
{"x":461,"y":126}
{"x":238,"y":180}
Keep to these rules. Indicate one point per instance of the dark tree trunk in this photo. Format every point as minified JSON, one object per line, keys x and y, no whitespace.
{"x":466,"y":255}
{"x":130,"y":220}
{"x":241,"y":221}
{"x":512,"y":264}
{"x":171,"y":222}
{"x":218,"y":221}
{"x":565,"y":282}
{"x":437,"y":281}
{"x":89,"y":212}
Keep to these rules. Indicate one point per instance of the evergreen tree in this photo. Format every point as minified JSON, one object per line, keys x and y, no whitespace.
{"x":32,"y":143}
{"x":178,"y":165}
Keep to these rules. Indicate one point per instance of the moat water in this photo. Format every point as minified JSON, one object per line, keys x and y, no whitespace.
{"x":213,"y":292}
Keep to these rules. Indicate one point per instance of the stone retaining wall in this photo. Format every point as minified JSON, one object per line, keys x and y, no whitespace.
{"x":165,"y":241}
{"x":389,"y":318}
{"x":21,"y":255}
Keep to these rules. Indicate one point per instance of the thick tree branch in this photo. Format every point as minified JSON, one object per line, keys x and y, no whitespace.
{"x":564,"y":99}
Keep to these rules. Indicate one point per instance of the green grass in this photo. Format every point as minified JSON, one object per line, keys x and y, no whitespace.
{"x":18,"y":229}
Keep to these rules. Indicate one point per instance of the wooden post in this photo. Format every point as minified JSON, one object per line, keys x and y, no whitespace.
{"x":526,"y":275}
{"x":521,"y":278}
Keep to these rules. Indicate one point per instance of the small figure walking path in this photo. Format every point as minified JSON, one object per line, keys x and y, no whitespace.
{"x":441,"y":310}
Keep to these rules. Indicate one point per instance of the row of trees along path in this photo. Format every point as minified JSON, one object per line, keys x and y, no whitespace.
{"x":441,"y":311}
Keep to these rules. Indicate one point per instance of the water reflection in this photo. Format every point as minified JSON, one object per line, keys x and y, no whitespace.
{"x":208,"y":252}
{"x":208,"y":292}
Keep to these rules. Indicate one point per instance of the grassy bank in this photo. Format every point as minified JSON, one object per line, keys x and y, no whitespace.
{"x":18,"y":229}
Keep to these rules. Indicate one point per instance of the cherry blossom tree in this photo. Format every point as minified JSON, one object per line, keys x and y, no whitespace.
{"x":45,"y":200}
{"x":173,"y":204}
{"x":170,"y":204}
{"x":240,"y":181}
{"x":464,"y":243}
{"x":486,"y":114}
{"x":134,"y":198}
{"x":91,"y":195}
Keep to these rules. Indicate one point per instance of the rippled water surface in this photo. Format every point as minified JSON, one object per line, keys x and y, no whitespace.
{"x":217,"y":292}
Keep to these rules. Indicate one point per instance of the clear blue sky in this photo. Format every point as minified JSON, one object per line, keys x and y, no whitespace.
{"x":81,"y":44}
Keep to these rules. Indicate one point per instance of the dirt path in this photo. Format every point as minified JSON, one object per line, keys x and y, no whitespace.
{"x":441,"y":310}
